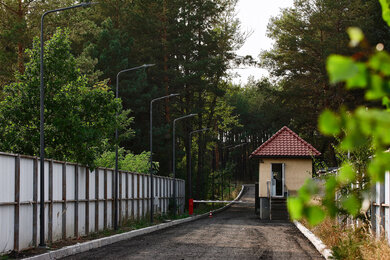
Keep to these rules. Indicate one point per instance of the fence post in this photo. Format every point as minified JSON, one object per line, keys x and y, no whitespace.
{"x":96,"y":199}
{"x":76,"y":201}
{"x":64,"y":206}
{"x":86,"y":200}
{"x":50,"y":220}
{"x":148,"y":195}
{"x":120,"y":198}
{"x":160,"y":199}
{"x":17,"y":203}
{"x":112,"y":198}
{"x":166,"y":201}
{"x":138,"y":199}
{"x":105,"y":200}
{"x":143,"y":195}
{"x":127,"y":195}
{"x":132,"y":196}
{"x":35,"y":201}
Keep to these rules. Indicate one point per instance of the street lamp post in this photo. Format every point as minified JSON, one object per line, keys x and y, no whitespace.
{"x":151,"y":152}
{"x":174,"y":160}
{"x":41,"y":126}
{"x":116,"y":145}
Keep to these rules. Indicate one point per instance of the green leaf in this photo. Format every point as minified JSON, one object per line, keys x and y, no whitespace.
{"x":360,"y":78}
{"x":354,"y":137}
{"x":376,"y":91}
{"x":380,"y":62}
{"x":355,"y":35}
{"x":341,"y":68}
{"x":295,"y":207}
{"x":385,"y":10}
{"x":352,"y":204}
{"x":378,"y":166}
{"x":315,"y":215}
{"x":329,"y":123}
{"x":330,"y":185}
{"x":386,"y":102}
{"x":346,"y":174}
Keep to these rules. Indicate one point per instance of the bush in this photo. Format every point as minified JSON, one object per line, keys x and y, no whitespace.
{"x":127,"y":161}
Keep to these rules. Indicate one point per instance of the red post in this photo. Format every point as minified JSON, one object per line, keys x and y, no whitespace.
{"x":191,"y":206}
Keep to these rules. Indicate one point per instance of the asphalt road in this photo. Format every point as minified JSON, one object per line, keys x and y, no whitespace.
{"x":235,"y":233}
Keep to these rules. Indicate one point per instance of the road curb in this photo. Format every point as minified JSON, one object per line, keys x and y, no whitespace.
{"x":317,"y":243}
{"x":96,"y":243}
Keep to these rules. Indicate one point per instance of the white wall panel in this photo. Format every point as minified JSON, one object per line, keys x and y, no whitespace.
{"x":7,"y":183}
{"x":70,"y":220}
{"x":26,"y":179}
{"x":7,"y":228}
{"x":25,"y":226}
{"x":57,"y":221}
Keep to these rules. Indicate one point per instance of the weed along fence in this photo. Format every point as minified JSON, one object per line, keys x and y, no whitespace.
{"x":77,"y":201}
{"x":379,"y":211}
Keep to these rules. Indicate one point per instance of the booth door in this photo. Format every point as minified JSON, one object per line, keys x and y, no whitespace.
{"x":277,"y":179}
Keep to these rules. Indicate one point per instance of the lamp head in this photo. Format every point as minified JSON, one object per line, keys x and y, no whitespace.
{"x":87,"y":4}
{"x":174,"y":95}
{"x":148,"y":65}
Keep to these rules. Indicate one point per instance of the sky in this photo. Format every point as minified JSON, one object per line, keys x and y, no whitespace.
{"x":254,"y":16}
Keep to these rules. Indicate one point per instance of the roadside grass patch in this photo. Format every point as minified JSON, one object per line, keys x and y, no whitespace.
{"x":350,"y":243}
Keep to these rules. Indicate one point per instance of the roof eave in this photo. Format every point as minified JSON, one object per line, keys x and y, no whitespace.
{"x":283,"y":156}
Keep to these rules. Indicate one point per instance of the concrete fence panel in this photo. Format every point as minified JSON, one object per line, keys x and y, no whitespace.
{"x":78,"y":201}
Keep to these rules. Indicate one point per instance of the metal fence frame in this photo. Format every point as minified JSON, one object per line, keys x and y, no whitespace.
{"x":379,"y":212}
{"x":77,"y":201}
{"x":380,"y":208}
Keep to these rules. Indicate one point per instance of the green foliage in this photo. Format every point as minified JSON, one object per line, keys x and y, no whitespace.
{"x":305,"y":35}
{"x":219,"y":182}
{"x":192,"y":44}
{"x":329,"y":123}
{"x":295,"y":207}
{"x":110,"y":48}
{"x":363,"y":129}
{"x":79,"y":117}
{"x":138,"y":163}
{"x":341,"y":68}
{"x":385,"y":10}
{"x":356,"y":35}
{"x":127,"y":161}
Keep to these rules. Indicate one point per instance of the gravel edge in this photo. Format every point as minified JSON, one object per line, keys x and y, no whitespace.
{"x":86,"y":246}
{"x":317,"y":243}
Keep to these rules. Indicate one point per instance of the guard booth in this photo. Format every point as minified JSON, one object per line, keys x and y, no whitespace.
{"x":285,"y":162}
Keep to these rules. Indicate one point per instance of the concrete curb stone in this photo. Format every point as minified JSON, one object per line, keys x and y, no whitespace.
{"x":317,"y":243}
{"x":93,"y":244}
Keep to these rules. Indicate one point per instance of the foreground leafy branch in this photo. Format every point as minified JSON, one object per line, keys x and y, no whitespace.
{"x":363,"y":128}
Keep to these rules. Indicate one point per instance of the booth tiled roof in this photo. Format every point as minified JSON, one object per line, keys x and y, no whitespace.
{"x":285,"y":143}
